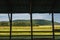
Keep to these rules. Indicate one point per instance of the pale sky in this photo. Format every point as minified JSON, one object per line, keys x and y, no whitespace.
{"x":4,"y":17}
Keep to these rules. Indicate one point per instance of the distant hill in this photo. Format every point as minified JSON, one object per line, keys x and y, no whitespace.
{"x":36,"y":22}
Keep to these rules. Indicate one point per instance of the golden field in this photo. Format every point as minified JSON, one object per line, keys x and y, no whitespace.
{"x":26,"y":30}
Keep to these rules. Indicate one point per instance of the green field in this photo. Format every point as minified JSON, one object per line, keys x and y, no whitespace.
{"x":38,"y":31}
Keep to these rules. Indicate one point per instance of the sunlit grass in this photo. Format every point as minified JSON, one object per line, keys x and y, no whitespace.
{"x":28,"y":29}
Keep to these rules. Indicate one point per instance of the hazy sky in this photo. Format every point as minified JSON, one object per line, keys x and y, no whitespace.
{"x":4,"y":17}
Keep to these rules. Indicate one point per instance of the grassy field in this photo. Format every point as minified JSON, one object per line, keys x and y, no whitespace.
{"x":22,"y":30}
{"x":38,"y":31}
